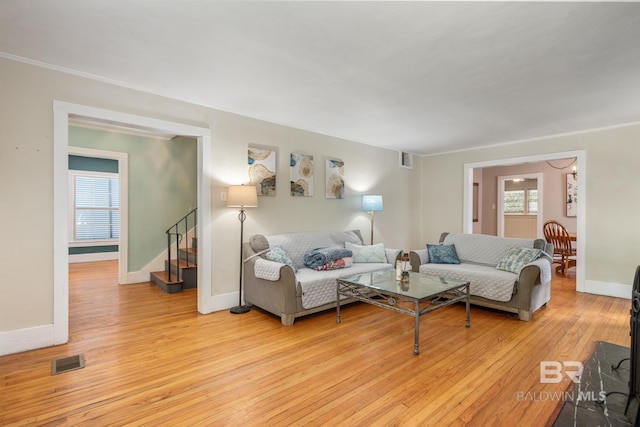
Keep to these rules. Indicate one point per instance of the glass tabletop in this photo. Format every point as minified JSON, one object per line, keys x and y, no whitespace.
{"x":419,"y":286}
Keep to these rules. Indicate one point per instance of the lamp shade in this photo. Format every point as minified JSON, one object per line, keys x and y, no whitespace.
{"x":372,"y":202}
{"x":242,"y":196}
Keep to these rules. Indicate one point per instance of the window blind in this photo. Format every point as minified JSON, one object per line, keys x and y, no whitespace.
{"x":97,"y":207}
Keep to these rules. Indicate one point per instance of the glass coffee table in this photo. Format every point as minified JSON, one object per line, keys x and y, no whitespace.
{"x":422,"y":294}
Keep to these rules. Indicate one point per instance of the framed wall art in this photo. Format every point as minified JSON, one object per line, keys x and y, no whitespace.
{"x":334,"y":188}
{"x":301,"y":175}
{"x":262,"y":169}
{"x":572,"y":195}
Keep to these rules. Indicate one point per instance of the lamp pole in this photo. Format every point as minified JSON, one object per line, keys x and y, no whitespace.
{"x":240,"y":309}
{"x":241,"y":196}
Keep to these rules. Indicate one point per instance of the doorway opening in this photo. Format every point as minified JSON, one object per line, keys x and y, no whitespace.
{"x":63,"y":113}
{"x":580,"y":220}
{"x":107,"y":246}
{"x":520,"y":206}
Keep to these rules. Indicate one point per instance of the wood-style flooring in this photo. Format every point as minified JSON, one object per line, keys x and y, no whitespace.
{"x":151,"y":359}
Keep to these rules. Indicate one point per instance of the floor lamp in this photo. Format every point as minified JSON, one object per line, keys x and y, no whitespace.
{"x":241,"y":196}
{"x":372,"y":203}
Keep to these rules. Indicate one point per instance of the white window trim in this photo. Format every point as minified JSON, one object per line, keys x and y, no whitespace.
{"x":72,"y":209}
{"x":123,"y":172}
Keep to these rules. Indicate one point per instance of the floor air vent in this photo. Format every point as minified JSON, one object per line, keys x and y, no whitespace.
{"x":67,"y":364}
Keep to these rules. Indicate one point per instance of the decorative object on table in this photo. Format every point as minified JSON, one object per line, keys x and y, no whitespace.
{"x":262,"y":170}
{"x":398,"y":270}
{"x":406,"y":266}
{"x":372,"y":203}
{"x":241,"y":196}
{"x":572,"y":193}
{"x":334,"y":188}
{"x":301,"y":174}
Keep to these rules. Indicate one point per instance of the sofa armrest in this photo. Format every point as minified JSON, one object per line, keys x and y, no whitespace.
{"x":544,"y":265}
{"x":417,"y":258}
{"x":535,"y":273}
{"x":267,"y":269}
{"x":393,"y":255}
{"x":275,"y":296}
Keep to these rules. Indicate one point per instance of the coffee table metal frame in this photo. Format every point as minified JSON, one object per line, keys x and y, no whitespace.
{"x":388,"y":293}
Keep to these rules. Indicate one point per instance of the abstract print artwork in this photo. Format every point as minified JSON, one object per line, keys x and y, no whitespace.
{"x":301,"y":174}
{"x":572,"y":195}
{"x":262,"y":170}
{"x":335,"y":179}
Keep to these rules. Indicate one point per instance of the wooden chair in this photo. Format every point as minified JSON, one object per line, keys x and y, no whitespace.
{"x":563,"y":252}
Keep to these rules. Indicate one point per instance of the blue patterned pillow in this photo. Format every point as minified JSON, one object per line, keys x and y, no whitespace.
{"x":278,"y":254}
{"x":442,"y":254}
{"x":372,"y":253}
{"x":516,"y":258}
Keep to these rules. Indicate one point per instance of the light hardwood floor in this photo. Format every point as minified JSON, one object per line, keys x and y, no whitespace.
{"x":151,"y":359}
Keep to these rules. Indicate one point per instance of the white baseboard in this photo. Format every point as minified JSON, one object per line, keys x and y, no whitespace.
{"x":618,"y":290}
{"x":98,"y":256}
{"x":26,"y":339}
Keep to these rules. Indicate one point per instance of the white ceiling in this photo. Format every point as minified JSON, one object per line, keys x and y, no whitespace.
{"x":422,"y":77}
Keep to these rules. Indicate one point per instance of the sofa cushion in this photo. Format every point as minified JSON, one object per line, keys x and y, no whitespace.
{"x":370,"y":253}
{"x":516,"y":258}
{"x":278,"y":254}
{"x":319,"y":287}
{"x":484,"y":281}
{"x":442,"y":254}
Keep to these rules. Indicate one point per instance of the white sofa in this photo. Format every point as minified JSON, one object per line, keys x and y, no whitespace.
{"x":479,"y":255}
{"x":275,"y":286}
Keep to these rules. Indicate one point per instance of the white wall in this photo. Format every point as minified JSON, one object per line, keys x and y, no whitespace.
{"x":26,"y":168}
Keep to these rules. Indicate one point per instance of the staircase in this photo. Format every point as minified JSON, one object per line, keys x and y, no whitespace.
{"x":181,"y":266}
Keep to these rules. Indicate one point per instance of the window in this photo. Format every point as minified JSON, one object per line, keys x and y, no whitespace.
{"x":521,"y":202}
{"x":514,"y":201}
{"x":532,"y":201}
{"x":96,"y":200}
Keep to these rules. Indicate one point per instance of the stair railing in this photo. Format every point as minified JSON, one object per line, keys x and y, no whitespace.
{"x":174,"y":230}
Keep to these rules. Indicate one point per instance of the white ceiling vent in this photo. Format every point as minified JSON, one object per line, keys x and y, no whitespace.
{"x":406,"y":160}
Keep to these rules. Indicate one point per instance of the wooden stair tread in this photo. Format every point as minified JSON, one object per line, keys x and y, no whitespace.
{"x":183,"y":263}
{"x":190,"y":250}
{"x":164,"y":277}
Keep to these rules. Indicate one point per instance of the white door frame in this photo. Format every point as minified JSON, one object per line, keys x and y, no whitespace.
{"x":61,"y":113}
{"x":539,"y":216}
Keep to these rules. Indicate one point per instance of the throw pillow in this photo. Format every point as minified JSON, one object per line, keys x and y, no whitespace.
{"x":442,"y":254}
{"x":516,"y":258}
{"x":278,"y":254}
{"x":371,"y":253}
{"x":258,"y":242}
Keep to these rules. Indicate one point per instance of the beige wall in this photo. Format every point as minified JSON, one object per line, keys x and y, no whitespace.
{"x":26,"y":188}
{"x":611,"y":173}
